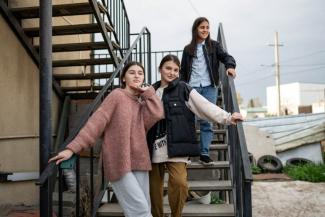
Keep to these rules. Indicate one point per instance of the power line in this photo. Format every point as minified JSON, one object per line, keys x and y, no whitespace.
{"x":307,"y":55}
{"x":303,"y":65}
{"x":305,"y":70}
{"x":194,"y":8}
{"x":285,"y":73}
{"x":257,"y":79}
{"x":253,"y":72}
{"x":289,"y":60}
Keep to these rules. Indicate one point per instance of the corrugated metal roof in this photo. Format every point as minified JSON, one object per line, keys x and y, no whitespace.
{"x":292,"y":131}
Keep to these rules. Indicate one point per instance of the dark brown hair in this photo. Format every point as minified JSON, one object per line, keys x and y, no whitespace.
{"x":170,"y":57}
{"x":193,"y":43}
{"x":126,"y":68}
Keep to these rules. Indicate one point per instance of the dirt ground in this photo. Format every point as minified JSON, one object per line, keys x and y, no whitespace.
{"x":288,"y":199}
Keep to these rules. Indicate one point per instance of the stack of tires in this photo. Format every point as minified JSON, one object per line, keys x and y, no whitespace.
{"x":272,"y":164}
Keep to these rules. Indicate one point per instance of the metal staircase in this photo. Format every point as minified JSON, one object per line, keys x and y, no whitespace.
{"x":90,"y":74}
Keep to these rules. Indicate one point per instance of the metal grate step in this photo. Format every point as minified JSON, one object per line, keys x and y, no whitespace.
{"x":82,"y":62}
{"x":82,"y":76}
{"x":215,"y":185}
{"x":216,"y":165}
{"x":57,"y":11}
{"x":69,"y":29}
{"x":83,"y":46}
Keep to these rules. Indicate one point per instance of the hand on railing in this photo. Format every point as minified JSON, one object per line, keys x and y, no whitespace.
{"x":235,"y":117}
{"x":231,"y":72}
{"x":62,"y":156}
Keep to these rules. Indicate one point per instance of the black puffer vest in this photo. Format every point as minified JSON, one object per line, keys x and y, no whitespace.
{"x":179,"y":122}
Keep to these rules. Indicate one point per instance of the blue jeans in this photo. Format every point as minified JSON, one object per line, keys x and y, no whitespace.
{"x":211,"y":94}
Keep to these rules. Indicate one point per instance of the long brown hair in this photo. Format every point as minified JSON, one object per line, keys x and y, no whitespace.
{"x":193,"y":43}
{"x":169,"y":57}
{"x":126,"y":68}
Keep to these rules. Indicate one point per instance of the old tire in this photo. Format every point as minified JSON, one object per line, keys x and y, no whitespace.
{"x":298,"y":161}
{"x":270,"y":163}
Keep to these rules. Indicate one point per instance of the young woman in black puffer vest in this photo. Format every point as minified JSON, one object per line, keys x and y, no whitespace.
{"x":173,"y":140}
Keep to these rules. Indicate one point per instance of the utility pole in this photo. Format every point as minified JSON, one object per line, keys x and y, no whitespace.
{"x":276,"y":46}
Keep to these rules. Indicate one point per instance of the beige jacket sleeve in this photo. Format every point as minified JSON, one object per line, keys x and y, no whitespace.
{"x":206,"y":110}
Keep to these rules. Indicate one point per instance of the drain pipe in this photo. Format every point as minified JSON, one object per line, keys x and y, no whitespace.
{"x":45,"y":91}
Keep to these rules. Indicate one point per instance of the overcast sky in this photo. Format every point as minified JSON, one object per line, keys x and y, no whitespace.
{"x":249,"y":26}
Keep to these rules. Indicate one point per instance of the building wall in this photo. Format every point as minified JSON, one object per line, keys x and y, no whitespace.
{"x":311,"y":93}
{"x":19,"y":117}
{"x":294,"y":95}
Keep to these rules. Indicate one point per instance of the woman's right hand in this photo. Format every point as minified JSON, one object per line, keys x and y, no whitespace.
{"x":235,"y":117}
{"x":62,"y":156}
{"x":139,"y":89}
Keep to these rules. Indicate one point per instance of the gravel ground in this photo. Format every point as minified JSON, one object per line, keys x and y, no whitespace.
{"x":288,"y":199}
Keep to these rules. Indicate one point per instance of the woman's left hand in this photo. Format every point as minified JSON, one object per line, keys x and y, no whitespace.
{"x":231,"y":72}
{"x":235,"y":117}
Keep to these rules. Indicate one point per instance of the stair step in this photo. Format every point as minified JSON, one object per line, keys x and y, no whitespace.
{"x":80,"y":96}
{"x":215,"y":131}
{"x":83,"y":46}
{"x":216,"y":165}
{"x":82,"y":76}
{"x":82,"y":62}
{"x":85,"y":88}
{"x":69,"y":29}
{"x":198,"y":210}
{"x":209,"y":185}
{"x":218,"y":147}
{"x":81,"y":88}
{"x":57,"y":10}
{"x":215,"y":185}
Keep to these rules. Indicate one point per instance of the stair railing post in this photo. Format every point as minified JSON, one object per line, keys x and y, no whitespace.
{"x":45,"y":91}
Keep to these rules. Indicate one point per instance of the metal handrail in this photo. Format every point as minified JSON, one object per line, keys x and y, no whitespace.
{"x":241,"y":135}
{"x":244,"y":152}
{"x":118,"y":18}
{"x":240,"y":169}
{"x":103,"y":30}
{"x":117,"y":32}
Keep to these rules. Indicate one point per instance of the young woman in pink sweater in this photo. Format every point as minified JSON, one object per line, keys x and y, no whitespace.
{"x":172,"y":140}
{"x":123,"y":120}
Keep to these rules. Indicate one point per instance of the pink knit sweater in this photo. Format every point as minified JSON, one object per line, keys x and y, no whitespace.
{"x":123,"y":120}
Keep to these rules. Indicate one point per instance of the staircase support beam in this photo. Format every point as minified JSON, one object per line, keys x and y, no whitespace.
{"x":45,"y":142}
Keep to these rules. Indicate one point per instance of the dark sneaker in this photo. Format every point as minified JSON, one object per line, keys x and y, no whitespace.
{"x":206,"y":160}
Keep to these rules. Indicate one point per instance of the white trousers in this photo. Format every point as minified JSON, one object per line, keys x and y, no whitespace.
{"x":132,"y":192}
